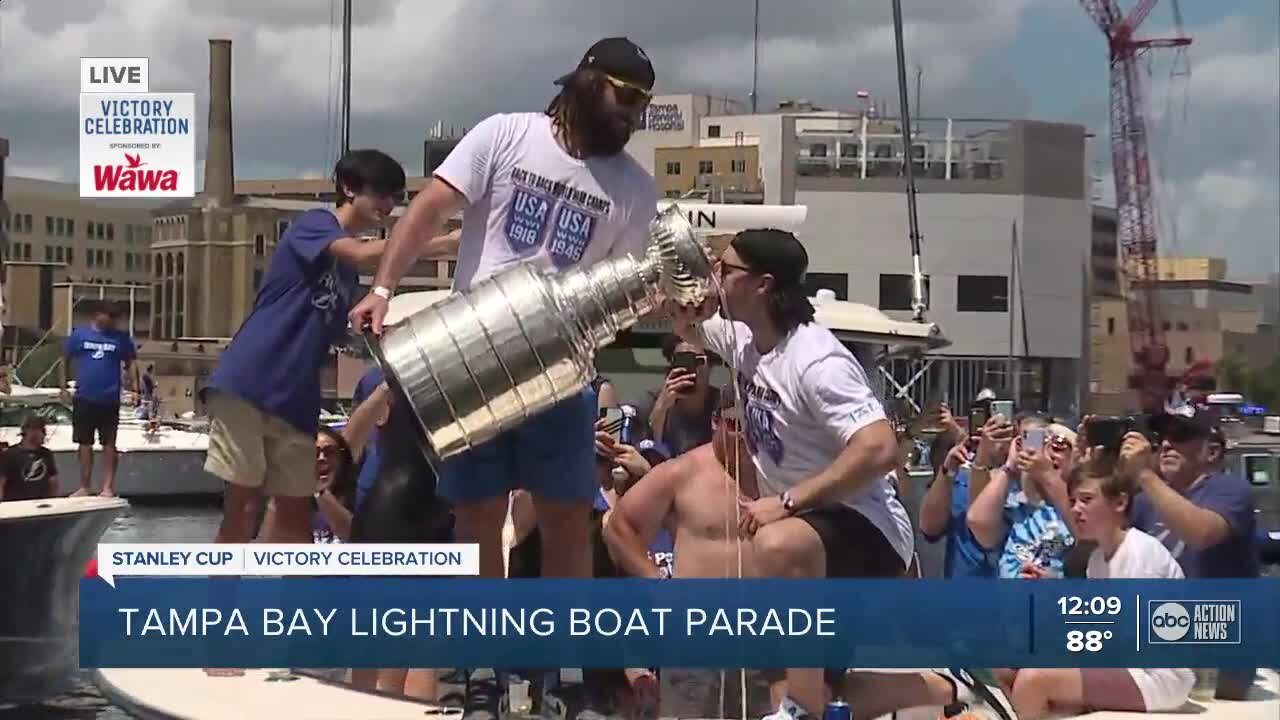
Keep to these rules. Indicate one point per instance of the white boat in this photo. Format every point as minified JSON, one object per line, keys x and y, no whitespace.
{"x":190,"y":694}
{"x":167,"y":460}
{"x":47,"y":545}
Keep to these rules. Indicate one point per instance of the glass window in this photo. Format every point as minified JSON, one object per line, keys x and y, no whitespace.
{"x":895,"y":292}
{"x":982,"y":293}
{"x":1260,"y":469}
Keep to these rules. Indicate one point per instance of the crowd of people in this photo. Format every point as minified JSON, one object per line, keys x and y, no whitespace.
{"x":791,"y":470}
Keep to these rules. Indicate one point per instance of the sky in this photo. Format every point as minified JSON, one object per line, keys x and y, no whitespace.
{"x":1215,"y":131}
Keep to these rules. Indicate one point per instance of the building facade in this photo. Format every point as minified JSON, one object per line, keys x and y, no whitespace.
{"x":1005,"y":216}
{"x":60,"y":250}
{"x":1204,"y":318}
{"x":94,"y":241}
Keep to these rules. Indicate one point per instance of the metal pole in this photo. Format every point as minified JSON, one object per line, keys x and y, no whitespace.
{"x":755,"y":61}
{"x":346,"y":76}
{"x":1012,"y":306}
{"x":917,"y":274}
{"x":919,"y":77}
{"x":132,"y":293}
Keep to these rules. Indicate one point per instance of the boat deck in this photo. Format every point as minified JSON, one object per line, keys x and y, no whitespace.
{"x":190,"y":694}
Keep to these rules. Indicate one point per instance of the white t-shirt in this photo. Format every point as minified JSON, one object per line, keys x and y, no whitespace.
{"x":1139,"y":557}
{"x":804,"y":399}
{"x":529,"y":200}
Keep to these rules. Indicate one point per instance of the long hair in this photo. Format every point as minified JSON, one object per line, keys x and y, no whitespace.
{"x":569,"y":108}
{"x":344,"y":471}
{"x":790,"y":309}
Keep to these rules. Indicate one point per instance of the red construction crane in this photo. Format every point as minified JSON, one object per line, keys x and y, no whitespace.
{"x":1132,"y":170}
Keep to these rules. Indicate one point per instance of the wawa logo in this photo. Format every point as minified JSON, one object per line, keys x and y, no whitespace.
{"x":133,"y":176}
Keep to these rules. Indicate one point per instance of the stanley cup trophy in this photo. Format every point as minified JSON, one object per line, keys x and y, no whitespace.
{"x":483,"y":361}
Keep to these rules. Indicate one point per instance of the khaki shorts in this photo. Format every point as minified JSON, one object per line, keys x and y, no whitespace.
{"x":251,"y":448}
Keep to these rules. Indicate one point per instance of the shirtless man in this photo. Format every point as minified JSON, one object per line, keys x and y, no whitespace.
{"x":688,"y":496}
{"x":694,"y":497}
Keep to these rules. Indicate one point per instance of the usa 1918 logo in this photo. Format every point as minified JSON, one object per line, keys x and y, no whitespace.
{"x":1193,"y":622}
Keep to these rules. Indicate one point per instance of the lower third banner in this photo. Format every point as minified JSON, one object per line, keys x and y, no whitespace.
{"x":428,"y":622}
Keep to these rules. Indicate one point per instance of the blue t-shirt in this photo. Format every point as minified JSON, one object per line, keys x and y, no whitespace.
{"x":1038,"y":535}
{"x":965,"y":556}
{"x":97,"y":356}
{"x":371,"y":460}
{"x":275,"y":358}
{"x":1226,"y":494}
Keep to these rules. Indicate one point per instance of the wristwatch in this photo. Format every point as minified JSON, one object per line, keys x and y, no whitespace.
{"x":788,"y":503}
{"x":381,"y":291}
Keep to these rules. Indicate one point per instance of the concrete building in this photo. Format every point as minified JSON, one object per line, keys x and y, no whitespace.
{"x":1205,"y":317}
{"x":59,"y":250}
{"x":1104,"y":254}
{"x":1191,"y":268}
{"x":985,"y":188}
{"x":94,"y":241}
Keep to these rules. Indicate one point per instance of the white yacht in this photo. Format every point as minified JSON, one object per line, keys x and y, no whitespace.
{"x":39,"y":643}
{"x":160,"y":459}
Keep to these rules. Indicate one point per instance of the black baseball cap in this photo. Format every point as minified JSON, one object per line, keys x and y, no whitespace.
{"x":1183,"y":423}
{"x":620,"y":58}
{"x":774,"y":252}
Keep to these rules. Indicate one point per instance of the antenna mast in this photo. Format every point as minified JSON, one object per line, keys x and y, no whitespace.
{"x":755,"y":61}
{"x":917,"y":274}
{"x":346,"y":76}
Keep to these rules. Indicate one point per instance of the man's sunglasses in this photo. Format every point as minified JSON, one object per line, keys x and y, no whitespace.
{"x":729,"y":423}
{"x":722,"y":268}
{"x":629,"y":93}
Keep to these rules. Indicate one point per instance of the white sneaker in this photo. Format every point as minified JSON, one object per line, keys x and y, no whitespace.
{"x":788,"y":710}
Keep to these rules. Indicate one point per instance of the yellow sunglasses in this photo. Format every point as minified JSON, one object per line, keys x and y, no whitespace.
{"x":630,"y":93}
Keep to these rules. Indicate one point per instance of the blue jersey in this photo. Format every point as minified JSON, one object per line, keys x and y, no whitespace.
{"x":275,"y":358}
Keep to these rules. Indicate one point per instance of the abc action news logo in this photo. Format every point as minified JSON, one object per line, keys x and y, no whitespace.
{"x":1194,"y":622}
{"x":133,"y":142}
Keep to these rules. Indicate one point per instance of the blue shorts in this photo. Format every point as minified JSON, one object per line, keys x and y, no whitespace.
{"x":551,"y":455}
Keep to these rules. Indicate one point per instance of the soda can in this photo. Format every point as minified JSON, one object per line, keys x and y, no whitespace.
{"x":838,"y":710}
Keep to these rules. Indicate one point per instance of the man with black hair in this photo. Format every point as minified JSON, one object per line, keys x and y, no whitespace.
{"x":28,"y":470}
{"x":679,"y":412}
{"x":558,"y":190}
{"x":264,"y":395}
{"x":97,"y":353}
{"x":823,"y":449}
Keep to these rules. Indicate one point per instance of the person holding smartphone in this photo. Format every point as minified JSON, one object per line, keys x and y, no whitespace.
{"x":679,"y":413}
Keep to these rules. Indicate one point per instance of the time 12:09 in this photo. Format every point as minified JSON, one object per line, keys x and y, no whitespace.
{"x":1073,"y":605}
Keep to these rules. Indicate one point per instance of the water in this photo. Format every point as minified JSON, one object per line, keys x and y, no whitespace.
{"x":137,"y":524}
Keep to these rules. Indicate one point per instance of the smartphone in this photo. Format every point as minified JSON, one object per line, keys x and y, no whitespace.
{"x":977,"y":418}
{"x":1002,"y":407}
{"x":1107,"y":432}
{"x":1034,"y":438}
{"x":613,"y":420}
{"x":688,"y":361}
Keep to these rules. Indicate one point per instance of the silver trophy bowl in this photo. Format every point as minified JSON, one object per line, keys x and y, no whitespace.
{"x":483,"y":361}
